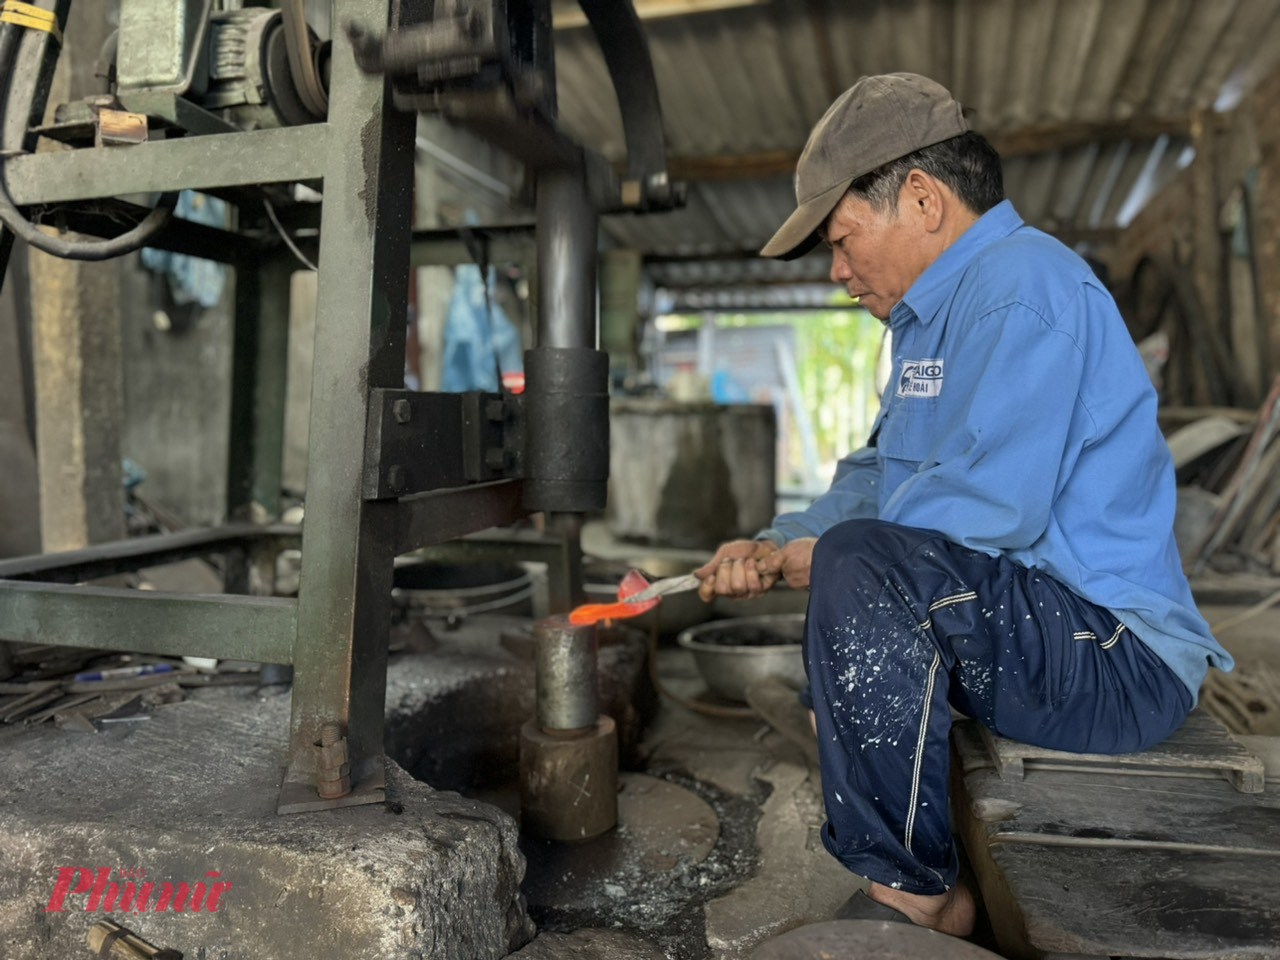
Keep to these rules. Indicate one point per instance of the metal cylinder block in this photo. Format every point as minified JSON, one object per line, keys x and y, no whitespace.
{"x":569,"y":785}
{"x":566,"y":404}
{"x":566,"y":675}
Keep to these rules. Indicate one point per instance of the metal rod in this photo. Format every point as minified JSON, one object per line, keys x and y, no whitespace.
{"x":567,"y":529}
{"x":445,"y":247}
{"x":567,"y":233}
{"x":194,"y":163}
{"x":110,"y":218}
{"x":566,"y":675}
{"x":258,"y":629}
{"x":135,"y":553}
{"x":622,"y":43}
{"x":440,"y":515}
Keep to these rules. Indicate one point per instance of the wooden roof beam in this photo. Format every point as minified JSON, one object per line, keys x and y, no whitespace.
{"x":1023,"y":142}
{"x":1049,"y":138}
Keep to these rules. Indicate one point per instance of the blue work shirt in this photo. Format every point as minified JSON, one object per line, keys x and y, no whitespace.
{"x":1020,"y":421}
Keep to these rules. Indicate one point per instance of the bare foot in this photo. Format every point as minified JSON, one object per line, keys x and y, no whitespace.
{"x":952,"y":912}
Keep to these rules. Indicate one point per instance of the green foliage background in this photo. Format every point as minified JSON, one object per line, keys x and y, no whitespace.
{"x":836,"y":355}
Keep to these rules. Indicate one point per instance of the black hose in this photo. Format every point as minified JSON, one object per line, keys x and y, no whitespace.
{"x":13,"y":219}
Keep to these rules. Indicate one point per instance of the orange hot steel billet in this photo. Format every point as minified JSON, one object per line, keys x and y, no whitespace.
{"x":632,"y":583}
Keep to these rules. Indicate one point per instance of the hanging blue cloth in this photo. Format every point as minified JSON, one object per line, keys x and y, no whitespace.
{"x":191,"y":279}
{"x":479,"y":339}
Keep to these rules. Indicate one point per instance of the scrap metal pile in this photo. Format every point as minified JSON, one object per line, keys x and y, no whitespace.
{"x":1229,"y":507}
{"x":89,"y":691}
{"x":1228,"y":531}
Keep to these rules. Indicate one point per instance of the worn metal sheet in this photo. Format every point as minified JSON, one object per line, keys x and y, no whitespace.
{"x":1091,"y":99}
{"x":752,"y":79}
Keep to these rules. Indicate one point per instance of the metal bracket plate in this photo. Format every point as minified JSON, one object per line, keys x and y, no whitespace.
{"x":417,"y":442}
{"x":298,"y":797}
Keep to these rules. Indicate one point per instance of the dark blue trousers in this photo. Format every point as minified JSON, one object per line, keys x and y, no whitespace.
{"x":903,"y":625}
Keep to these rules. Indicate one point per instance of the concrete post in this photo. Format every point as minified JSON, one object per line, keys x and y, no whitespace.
{"x":75,"y":314}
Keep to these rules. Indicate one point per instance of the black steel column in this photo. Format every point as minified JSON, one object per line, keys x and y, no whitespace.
{"x":259,"y":369}
{"x":255,"y":454}
{"x":567,"y":379}
{"x":567,"y":392}
{"x":567,"y":237}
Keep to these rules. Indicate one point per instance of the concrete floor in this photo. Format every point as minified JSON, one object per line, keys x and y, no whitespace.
{"x":717,"y":849}
{"x":769,"y":797}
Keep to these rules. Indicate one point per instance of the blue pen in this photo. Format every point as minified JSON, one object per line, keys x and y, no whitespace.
{"x":118,"y":673}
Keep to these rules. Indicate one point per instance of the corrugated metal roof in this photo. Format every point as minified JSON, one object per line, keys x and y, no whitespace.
{"x":1089,"y":100}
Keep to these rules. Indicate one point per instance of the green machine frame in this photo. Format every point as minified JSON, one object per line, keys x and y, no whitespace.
{"x":389,"y":471}
{"x":334,"y":633}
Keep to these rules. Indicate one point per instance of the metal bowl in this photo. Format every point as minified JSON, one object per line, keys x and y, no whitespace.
{"x":733,"y":654}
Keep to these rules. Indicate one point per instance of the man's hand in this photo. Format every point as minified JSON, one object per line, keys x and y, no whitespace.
{"x":735,"y":570}
{"x":791,"y":563}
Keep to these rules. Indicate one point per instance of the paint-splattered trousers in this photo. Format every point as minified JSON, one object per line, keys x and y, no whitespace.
{"x":903,"y":625}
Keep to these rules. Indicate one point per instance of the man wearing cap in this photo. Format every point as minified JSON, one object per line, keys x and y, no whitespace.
{"x":1004,"y":543}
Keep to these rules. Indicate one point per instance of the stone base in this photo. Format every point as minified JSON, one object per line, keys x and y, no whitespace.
{"x":191,"y":792}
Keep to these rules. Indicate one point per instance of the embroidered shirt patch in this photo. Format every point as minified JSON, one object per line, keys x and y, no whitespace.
{"x":920,"y":378}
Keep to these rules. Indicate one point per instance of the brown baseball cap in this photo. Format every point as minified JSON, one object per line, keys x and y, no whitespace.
{"x":876,"y":120}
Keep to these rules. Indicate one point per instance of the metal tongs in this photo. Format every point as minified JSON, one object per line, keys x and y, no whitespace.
{"x":665,"y":587}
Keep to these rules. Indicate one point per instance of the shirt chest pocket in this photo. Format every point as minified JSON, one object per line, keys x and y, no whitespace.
{"x":905,"y":437}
